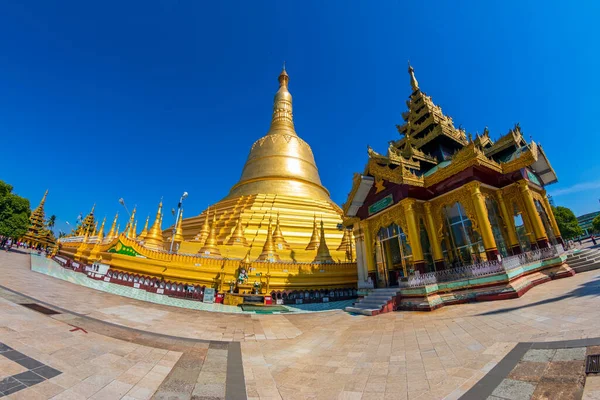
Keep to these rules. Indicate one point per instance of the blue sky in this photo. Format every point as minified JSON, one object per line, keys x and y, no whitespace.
{"x":102,"y":100}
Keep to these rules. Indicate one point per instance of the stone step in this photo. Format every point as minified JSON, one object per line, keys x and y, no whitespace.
{"x":362,"y":311}
{"x":587,"y":267}
{"x":380,"y":296}
{"x":368,"y":306}
{"x":583,"y":260}
{"x":372,"y":304}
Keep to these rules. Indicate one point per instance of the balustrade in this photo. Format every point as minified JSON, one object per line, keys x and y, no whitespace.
{"x":484,"y":268}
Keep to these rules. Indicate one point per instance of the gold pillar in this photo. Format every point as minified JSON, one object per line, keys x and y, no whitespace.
{"x":436,"y":247}
{"x":485,"y":228}
{"x":550,"y":213}
{"x":508,"y":218}
{"x":369,"y":248}
{"x":536,"y":221}
{"x":413,"y":234}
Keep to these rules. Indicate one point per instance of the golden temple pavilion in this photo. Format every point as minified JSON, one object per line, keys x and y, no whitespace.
{"x":37,"y":233}
{"x":277,"y":225}
{"x":441,"y":198}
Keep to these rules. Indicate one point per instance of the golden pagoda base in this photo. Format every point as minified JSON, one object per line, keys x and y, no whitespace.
{"x":128,"y":255}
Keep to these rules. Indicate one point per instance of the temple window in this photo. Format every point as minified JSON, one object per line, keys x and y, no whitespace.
{"x":464,"y":245}
{"x":497,"y":226}
{"x":546,"y":222}
{"x":395,"y":256}
{"x":522,"y":233}
{"x":426,"y":246}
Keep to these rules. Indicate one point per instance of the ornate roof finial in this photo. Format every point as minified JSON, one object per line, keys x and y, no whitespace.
{"x":269,"y":252}
{"x":178,"y":229}
{"x":93,"y":208}
{"x":278,"y":235}
{"x":413,"y":81}
{"x":210,"y":245}
{"x":112,"y":234}
{"x":282,"y":121}
{"x":323,"y":255}
{"x":142,"y":235}
{"x":237,"y":237}
{"x":314,"y":238}
{"x":154,"y":239}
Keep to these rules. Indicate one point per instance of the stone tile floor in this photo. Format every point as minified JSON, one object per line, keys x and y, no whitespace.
{"x":330,"y":355}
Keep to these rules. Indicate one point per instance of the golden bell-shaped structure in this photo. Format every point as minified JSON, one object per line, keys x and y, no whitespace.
{"x":154,"y":239}
{"x":204,"y":231}
{"x":237,"y":237}
{"x":210,"y":245}
{"x":279,"y":177}
{"x":278,"y":236}
{"x":281,"y":162}
{"x":144,"y":232}
{"x":178,"y":238}
{"x":113,"y":233}
{"x":314,"y":238}
{"x":269,"y":252}
{"x":323,"y":255}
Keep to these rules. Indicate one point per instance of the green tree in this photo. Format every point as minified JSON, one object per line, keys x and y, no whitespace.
{"x":567,"y":222}
{"x":596,"y":223}
{"x":14,"y":212}
{"x":51,"y":222}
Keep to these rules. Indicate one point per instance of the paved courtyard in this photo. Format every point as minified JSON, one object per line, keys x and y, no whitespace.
{"x":105,"y":346}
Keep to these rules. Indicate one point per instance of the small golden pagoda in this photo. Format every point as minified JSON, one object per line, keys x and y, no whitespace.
{"x":440,"y":199}
{"x":87,"y":225}
{"x":37,"y":233}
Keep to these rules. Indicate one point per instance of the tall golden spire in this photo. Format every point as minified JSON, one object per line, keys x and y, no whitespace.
{"x":145,"y":230}
{"x":344,"y":243}
{"x":314,"y":238}
{"x":178,"y":231}
{"x":413,"y":81}
{"x":95,"y":252}
{"x":282,"y":120}
{"x":323,"y":255}
{"x":154,"y":239}
{"x":237,"y":237}
{"x":205,"y":230}
{"x":210,"y":246}
{"x":131,"y":232}
{"x":101,"y":231}
{"x":269,"y":253}
{"x":112,"y":234}
{"x":281,"y":162}
{"x":95,"y":228}
{"x":278,"y":235}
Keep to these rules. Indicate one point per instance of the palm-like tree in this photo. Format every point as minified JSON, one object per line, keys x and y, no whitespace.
{"x":51,"y":221}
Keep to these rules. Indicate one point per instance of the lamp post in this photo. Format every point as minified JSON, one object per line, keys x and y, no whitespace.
{"x":122,"y":201}
{"x":183,"y":197}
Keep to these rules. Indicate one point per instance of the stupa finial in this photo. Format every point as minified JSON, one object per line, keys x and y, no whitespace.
{"x":413,"y":81}
{"x":154,"y":239}
{"x":282,"y":121}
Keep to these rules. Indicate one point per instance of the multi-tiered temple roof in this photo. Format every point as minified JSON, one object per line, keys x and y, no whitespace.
{"x":432,"y":150}
{"x":38,"y":234}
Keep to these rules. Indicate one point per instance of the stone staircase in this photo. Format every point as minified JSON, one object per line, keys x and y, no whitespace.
{"x":376,"y":302}
{"x":584,"y":260}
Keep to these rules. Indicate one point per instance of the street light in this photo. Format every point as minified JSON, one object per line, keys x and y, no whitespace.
{"x":122,"y":201}
{"x":183,"y":197}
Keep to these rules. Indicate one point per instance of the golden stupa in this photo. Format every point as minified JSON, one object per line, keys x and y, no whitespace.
{"x":280,"y":182}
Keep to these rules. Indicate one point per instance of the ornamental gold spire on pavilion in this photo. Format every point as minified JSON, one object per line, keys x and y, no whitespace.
{"x":279,"y":182}
{"x":37,"y":233}
{"x":154,"y":239}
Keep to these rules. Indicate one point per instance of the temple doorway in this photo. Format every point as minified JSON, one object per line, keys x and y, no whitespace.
{"x":393,"y":256}
{"x":462,"y":244}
